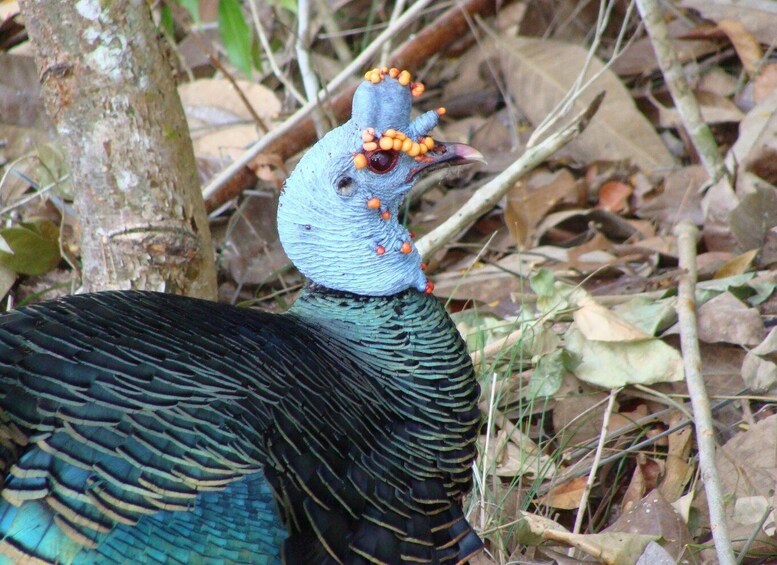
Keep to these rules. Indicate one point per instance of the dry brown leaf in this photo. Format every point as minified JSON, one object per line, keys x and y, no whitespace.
{"x":653,"y":515}
{"x":750,"y":158}
{"x":717,"y":204}
{"x":215,"y":102}
{"x":678,"y":470}
{"x":614,"y":196}
{"x":727,"y":319}
{"x":747,"y":465}
{"x":482,"y":558}
{"x":639,"y":58}
{"x":636,"y":489}
{"x":579,"y":412}
{"x":533,"y":197}
{"x":765,"y":82}
{"x":228,"y":142}
{"x":482,"y":285}
{"x":20,"y":101}
{"x":759,"y":17}
{"x":757,"y":136}
{"x":506,"y":459}
{"x":768,"y":254}
{"x":537,"y":73}
{"x":679,"y":198}
{"x":745,"y":44}
{"x":44,"y":164}
{"x":707,"y":264}
{"x":8,"y":9}
{"x":759,"y":369}
{"x":598,"y":242}
{"x":722,"y":368}
{"x":719,"y":82}
{"x":490,"y":283}
{"x":595,"y":253}
{"x":737,"y":266}
{"x":253,"y":251}
{"x":756,"y":212}
{"x":597,"y":323}
{"x":715,"y":109}
{"x":490,"y":135}
{"x":565,"y":496}
{"x":571,"y":227}
{"x":219,"y":122}
{"x":609,"y":548}
{"x":441,"y":209}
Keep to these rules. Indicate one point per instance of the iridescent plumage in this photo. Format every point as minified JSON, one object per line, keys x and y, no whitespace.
{"x":149,"y":428}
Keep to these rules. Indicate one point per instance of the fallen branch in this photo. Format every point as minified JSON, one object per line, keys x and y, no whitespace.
{"x":685,"y":102}
{"x":489,"y":195}
{"x":687,"y":234}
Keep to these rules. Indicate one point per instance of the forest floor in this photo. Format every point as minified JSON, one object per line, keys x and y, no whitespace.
{"x":573,"y":291}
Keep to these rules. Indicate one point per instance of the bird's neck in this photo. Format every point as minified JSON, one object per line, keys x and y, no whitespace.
{"x":409,"y":355}
{"x":409,"y":333}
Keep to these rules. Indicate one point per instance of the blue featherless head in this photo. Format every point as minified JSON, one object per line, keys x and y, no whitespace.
{"x":337,"y":217}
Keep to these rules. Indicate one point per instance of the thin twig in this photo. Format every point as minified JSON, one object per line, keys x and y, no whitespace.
{"x":309,"y":79}
{"x":489,"y":420}
{"x":492,"y":349}
{"x":687,"y":234}
{"x":511,"y":432}
{"x":204,"y":46}
{"x":214,"y":60}
{"x":386,"y":51}
{"x":34,"y":195}
{"x":488,"y":196}
{"x":746,"y":548}
{"x":582,"y":82}
{"x":295,"y":119}
{"x":333,"y":32}
{"x":578,"y":454}
{"x":595,"y":465}
{"x":265,"y":43}
{"x":684,"y":100}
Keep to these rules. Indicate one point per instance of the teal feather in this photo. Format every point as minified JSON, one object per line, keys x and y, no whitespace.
{"x":149,"y":428}
{"x":355,"y":451}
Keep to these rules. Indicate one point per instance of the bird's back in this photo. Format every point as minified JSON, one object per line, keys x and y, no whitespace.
{"x":138,"y":421}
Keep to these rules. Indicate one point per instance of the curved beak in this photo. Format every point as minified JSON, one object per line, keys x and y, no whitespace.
{"x":445,"y":155}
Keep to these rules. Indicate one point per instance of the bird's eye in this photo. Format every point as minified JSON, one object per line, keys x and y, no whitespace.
{"x":382,"y":161}
{"x":345,"y":186}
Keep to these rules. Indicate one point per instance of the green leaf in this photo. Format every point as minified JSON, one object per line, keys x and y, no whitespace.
{"x":611,"y":364}
{"x":193,"y":7}
{"x":553,"y":297}
{"x":7,"y":280}
{"x":35,"y":247}
{"x":480,"y":329}
{"x":235,"y":35}
{"x":167,"y":23}
{"x":548,"y":375}
{"x":650,"y":316}
{"x":290,"y":5}
{"x":763,"y":290}
{"x":542,"y":283}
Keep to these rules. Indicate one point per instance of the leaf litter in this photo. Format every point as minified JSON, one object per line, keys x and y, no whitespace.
{"x":565,"y":290}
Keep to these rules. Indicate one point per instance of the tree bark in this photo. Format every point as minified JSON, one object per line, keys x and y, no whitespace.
{"x":107,"y":85}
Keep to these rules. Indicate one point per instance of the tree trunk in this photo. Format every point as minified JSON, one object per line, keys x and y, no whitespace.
{"x":108,"y":87}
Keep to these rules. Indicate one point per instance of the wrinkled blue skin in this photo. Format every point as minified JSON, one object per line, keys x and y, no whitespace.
{"x":327,"y":230}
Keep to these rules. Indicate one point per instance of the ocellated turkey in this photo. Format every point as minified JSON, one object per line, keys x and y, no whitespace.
{"x":139,"y":427}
